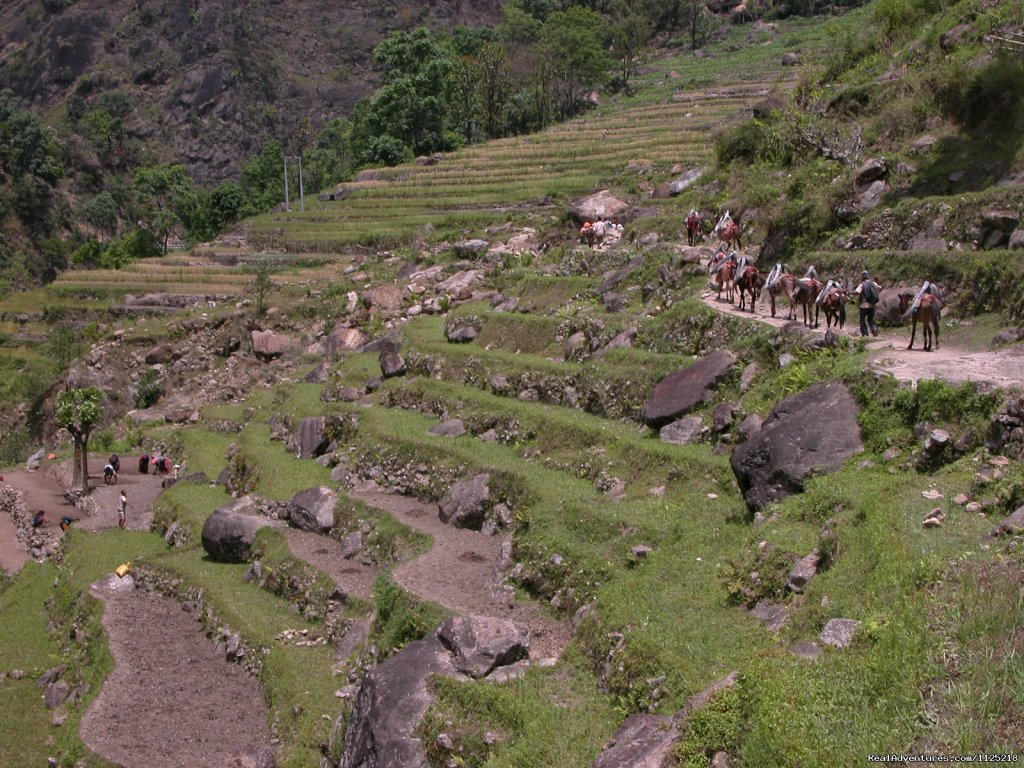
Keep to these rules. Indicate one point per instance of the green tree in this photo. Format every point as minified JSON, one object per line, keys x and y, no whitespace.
{"x":63,"y":344}
{"x":159,"y":194}
{"x":495,"y":84}
{"x":572,"y":46}
{"x":79,"y":411}
{"x":262,"y":285}
{"x":630,"y":32}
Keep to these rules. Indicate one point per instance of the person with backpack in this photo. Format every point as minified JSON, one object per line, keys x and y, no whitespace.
{"x":868,"y":293}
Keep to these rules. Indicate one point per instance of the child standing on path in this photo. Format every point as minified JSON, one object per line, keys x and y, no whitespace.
{"x":122,"y":505}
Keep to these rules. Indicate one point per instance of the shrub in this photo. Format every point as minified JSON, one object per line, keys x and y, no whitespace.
{"x":148,"y":389}
{"x":400,"y":618}
{"x":713,"y":728}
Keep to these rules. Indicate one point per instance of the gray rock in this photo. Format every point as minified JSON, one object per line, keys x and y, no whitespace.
{"x":1013,"y":525}
{"x":1017,"y":240}
{"x":684,"y":182}
{"x":57,"y":693}
{"x":160,"y":355}
{"x":114,"y":583}
{"x":576,"y":346}
{"x":391,"y":365}
{"x":310,"y":440}
{"x":51,"y":675}
{"x":1003,"y":220}
{"x":684,"y":431}
{"x":602,"y":205}
{"x":471,"y":249}
{"x":807,"y":434}
{"x":480,"y":644}
{"x":252,"y":757}
{"x":750,"y":426}
{"x":642,"y":741}
{"x":641,"y":551}
{"x":722,"y":416}
{"x":228,"y":533}
{"x":35,"y":460}
{"x":936,"y":442}
{"x":872,"y":170}
{"x":839,"y":633}
{"x":748,"y":376}
{"x":786,"y":359}
{"x":449,"y":428}
{"x":318,"y":375}
{"x":685,"y":389}
{"x":772,"y":614}
{"x":312,"y":509}
{"x":790,"y":59}
{"x":267,"y":345}
{"x":351,"y":545}
{"x":342,"y":339}
{"x":464,"y":506}
{"x":1011,"y":336}
{"x":720,"y":760}
{"x":383,"y":299}
{"x":805,"y":569}
{"x":462,"y":333}
{"x":390,"y":705}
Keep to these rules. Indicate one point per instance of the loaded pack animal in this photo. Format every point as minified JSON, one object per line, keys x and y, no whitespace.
{"x":723,"y":270}
{"x":694,"y":227}
{"x":749,"y":280}
{"x":806,"y":294}
{"x":781,"y":282}
{"x":728,"y":232}
{"x":832,"y":300}
{"x":926,"y":307}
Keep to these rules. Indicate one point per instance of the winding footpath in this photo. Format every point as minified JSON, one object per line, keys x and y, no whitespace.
{"x":1000,"y":368}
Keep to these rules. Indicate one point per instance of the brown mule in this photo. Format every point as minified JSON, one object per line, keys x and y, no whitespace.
{"x":929,"y":312}
{"x":784,"y":286}
{"x":750,"y":281}
{"x":806,"y":294}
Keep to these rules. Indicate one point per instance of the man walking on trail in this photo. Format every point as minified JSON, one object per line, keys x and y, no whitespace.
{"x":122,"y":505}
{"x":868,"y":292}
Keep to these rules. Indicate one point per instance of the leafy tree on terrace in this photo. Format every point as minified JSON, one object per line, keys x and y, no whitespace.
{"x":630,"y":32}
{"x":79,"y":411}
{"x":573,"y":55}
{"x":160,"y":193}
{"x":411,"y":106}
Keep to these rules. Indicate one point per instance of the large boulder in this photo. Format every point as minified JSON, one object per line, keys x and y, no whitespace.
{"x":684,"y":431}
{"x":309,"y":440}
{"x":678,"y":186}
{"x":390,"y":706}
{"x":391,"y":365}
{"x":267,"y":345}
{"x":602,"y":205}
{"x":394,"y":696}
{"x":480,"y":644}
{"x":683,"y":390}
{"x":643,"y":741}
{"x":312,"y":509}
{"x":229,"y":532}
{"x":810,"y":433}
{"x":384,"y":299}
{"x":342,"y":339}
{"x":465,"y":504}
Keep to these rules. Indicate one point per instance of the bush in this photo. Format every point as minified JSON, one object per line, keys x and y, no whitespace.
{"x":148,"y":389}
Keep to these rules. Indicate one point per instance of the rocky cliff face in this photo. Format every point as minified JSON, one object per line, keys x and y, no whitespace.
{"x":208,"y":79}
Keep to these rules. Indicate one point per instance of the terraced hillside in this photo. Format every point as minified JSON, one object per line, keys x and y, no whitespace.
{"x":796,"y":561}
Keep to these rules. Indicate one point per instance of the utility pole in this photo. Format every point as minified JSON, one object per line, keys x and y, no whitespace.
{"x":302,"y":194}
{"x":287,"y":205}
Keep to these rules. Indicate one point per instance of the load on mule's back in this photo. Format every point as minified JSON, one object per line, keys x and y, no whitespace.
{"x":926,"y":306}
{"x":593,"y":232}
{"x":728,"y":231}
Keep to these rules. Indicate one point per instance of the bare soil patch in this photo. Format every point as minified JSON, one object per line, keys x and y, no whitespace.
{"x":458,"y":572}
{"x":351,"y":576}
{"x":171,"y":699}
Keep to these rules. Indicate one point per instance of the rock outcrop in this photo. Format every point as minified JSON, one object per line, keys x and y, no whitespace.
{"x":465,"y":504}
{"x":807,"y":434}
{"x":683,"y":390}
{"x":229,"y":532}
{"x":267,"y":345}
{"x":313,"y":509}
{"x":310,"y":439}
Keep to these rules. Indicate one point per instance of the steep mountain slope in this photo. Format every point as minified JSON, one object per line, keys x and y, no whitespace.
{"x":208,"y":79}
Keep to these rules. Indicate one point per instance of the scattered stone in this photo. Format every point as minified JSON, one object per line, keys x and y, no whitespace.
{"x":972,"y":507}
{"x":57,"y":693}
{"x":1013,"y":525}
{"x":961,"y":499}
{"x":267,"y":345}
{"x":684,"y":431}
{"x":384,"y":299}
{"x":641,"y":551}
{"x":805,"y":569}
{"x":720,"y":760}
{"x":748,"y":376}
{"x":464,"y":506}
{"x":471,"y":249}
{"x":312,"y":509}
{"x":786,"y":359}
{"x":461,"y":333}
{"x":839,"y":633}
{"x":642,"y":741}
{"x":722,"y":416}
{"x":351,"y":544}
{"x":318,"y":375}
{"x":891,"y":454}
{"x":790,"y":59}
{"x":772,"y":614}
{"x":750,"y":426}
{"x":342,"y":339}
{"x":391,"y":365}
{"x":253,"y":757}
{"x":481,"y":644}
{"x":932,"y":494}
{"x":310,"y":440}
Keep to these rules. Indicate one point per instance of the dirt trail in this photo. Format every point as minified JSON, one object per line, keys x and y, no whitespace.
{"x":324,"y":552}
{"x":1001,"y":368}
{"x":171,"y":699}
{"x":458,"y":572}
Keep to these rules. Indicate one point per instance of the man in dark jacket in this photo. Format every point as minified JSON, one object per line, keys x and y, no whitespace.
{"x":868,"y":293}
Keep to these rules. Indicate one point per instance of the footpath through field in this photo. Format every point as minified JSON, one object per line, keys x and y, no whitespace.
{"x":889,"y":354}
